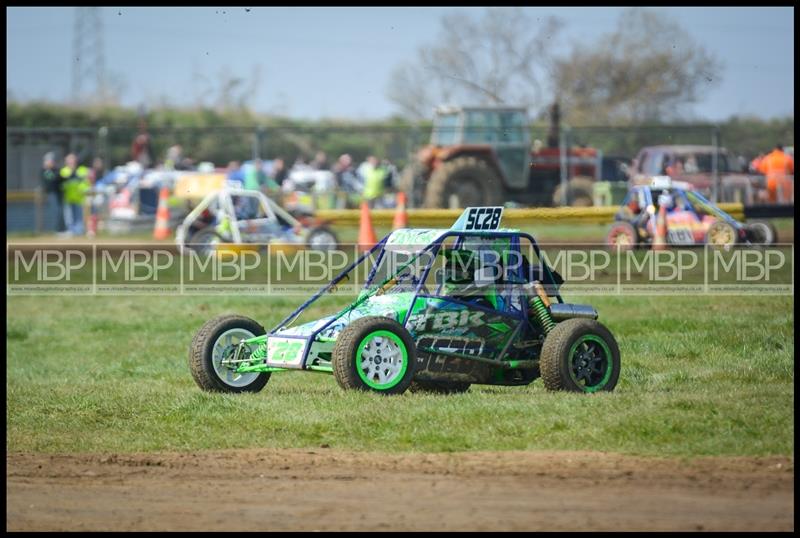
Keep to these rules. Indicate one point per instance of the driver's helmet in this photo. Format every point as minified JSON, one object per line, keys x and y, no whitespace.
{"x":665,"y":199}
{"x":459,"y":268}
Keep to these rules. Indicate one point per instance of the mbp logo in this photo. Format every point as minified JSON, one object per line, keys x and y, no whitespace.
{"x":47,"y":266}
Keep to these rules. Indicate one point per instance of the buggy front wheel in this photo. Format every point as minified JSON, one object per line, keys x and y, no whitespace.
{"x":374,"y":354}
{"x":212,"y":349}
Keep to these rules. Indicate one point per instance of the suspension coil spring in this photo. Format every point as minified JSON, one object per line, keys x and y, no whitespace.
{"x":542,"y":314}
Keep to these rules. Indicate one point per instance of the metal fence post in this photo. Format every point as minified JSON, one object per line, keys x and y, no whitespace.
{"x":715,"y":163}
{"x":564,"y":163}
{"x":102,"y":143}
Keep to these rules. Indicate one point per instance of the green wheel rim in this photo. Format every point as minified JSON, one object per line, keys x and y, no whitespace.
{"x":593,"y":350}
{"x":386,"y":373}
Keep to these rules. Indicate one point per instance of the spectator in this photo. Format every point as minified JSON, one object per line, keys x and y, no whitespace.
{"x":755,"y":163}
{"x":52,"y":183}
{"x":96,"y":173}
{"x":690,"y":166}
{"x":374,"y":182}
{"x":390,"y":176}
{"x":346,"y":177}
{"x":320,"y":161}
{"x":779,"y":169}
{"x":365,"y":167}
{"x":279,"y":171}
{"x":675,"y":168}
{"x":235,"y":173}
{"x":175,"y":159}
{"x":75,"y":185}
{"x":141,"y":151}
{"x":255,"y":177}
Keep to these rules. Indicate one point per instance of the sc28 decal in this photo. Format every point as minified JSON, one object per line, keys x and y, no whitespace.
{"x":483,"y":218}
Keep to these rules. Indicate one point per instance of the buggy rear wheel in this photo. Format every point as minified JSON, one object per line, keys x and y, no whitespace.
{"x":761,"y":232}
{"x":374,"y":354}
{"x":214,"y":345}
{"x":580,"y":355}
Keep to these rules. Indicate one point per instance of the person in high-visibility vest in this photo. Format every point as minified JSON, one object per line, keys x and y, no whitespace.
{"x":374,"y":176}
{"x":75,"y":185}
{"x":52,"y":182}
{"x":779,"y":169}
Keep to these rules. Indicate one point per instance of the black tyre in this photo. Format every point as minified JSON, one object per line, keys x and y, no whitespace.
{"x":205,"y":241}
{"x":439,"y":387}
{"x":721,"y":234}
{"x":622,"y":235}
{"x":761,"y":232}
{"x":215,"y":342}
{"x":580,"y":355}
{"x":322,"y":238}
{"x":412,"y":182}
{"x":374,"y":354}
{"x":463,"y":182}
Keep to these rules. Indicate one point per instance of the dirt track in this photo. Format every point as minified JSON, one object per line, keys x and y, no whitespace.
{"x":324,"y":489}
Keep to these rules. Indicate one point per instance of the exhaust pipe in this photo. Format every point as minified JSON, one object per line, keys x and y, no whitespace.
{"x":561,"y":311}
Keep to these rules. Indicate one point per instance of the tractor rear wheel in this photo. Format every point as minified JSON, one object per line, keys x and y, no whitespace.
{"x":412,"y":182}
{"x":463,"y":182}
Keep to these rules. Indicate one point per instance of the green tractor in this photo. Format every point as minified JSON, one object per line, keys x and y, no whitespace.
{"x":482,"y":156}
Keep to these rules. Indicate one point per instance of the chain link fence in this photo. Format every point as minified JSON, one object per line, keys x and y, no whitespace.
{"x":617,"y":147}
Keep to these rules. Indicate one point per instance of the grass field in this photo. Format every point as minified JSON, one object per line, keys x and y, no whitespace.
{"x":709,"y":375}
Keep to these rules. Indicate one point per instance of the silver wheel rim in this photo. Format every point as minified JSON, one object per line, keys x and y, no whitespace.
{"x":381,"y":360}
{"x":323,"y":241}
{"x":223,"y":347}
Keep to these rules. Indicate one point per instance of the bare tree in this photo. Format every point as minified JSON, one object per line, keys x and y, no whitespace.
{"x":226,"y":91}
{"x":503,"y":58}
{"x":648,"y":69}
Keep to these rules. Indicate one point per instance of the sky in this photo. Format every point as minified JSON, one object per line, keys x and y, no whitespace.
{"x":336,"y":62}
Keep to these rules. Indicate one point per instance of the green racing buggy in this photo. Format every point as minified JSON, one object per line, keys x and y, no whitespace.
{"x":439,"y":310}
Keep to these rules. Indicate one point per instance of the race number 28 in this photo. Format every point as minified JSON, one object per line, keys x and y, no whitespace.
{"x":484,"y":218}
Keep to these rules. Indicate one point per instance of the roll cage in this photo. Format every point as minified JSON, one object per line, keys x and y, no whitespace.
{"x":372,"y":287}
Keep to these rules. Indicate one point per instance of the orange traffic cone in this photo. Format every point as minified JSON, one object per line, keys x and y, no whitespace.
{"x":162,"y":230}
{"x":400,"y":215}
{"x":660,"y":237}
{"x":366,"y":233}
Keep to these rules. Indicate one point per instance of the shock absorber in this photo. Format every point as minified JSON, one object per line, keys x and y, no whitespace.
{"x":539,"y":307}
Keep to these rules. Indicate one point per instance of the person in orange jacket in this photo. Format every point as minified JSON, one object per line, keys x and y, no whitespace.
{"x":777,"y":165}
